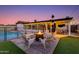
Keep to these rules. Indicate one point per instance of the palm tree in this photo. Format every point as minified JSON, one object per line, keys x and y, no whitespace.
{"x":35,"y":20}
{"x":52,"y":16}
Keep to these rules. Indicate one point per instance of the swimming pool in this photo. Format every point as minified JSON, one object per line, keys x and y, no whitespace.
{"x":9,"y":35}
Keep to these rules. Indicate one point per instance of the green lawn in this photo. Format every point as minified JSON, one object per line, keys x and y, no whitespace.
{"x":68,"y":45}
{"x":7,"y":47}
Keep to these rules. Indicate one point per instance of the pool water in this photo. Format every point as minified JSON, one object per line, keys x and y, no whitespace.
{"x":9,"y":35}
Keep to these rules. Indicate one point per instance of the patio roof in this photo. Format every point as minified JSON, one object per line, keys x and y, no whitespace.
{"x":51,"y":20}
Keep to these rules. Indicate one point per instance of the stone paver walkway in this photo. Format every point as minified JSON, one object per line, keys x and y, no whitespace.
{"x":37,"y":47}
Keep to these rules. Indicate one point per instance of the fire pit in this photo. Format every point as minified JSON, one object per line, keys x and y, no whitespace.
{"x":39,"y":35}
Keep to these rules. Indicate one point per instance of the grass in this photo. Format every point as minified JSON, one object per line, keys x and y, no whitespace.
{"x":7,"y":47}
{"x":68,"y":45}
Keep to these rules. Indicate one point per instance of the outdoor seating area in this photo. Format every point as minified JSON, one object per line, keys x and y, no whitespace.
{"x":34,"y":36}
{"x":36,"y":47}
{"x":35,"y":42}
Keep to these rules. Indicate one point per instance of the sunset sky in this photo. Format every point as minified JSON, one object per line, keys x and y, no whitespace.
{"x":11,"y":14}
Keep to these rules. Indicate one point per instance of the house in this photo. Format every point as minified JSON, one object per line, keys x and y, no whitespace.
{"x":54,"y":25}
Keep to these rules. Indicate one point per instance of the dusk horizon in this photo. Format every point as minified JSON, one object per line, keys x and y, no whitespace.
{"x":10,"y":14}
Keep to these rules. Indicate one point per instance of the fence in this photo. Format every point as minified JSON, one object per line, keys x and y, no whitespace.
{"x":8,"y":32}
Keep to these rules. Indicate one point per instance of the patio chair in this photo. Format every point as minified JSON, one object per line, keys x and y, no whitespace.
{"x":31,"y":39}
{"x":30,"y":42}
{"x":27,"y":37}
{"x":43,"y":41}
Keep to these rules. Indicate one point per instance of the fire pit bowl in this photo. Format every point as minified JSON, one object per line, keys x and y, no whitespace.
{"x":39,"y":35}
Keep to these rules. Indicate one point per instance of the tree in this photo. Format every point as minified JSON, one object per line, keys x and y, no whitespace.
{"x":35,"y":20}
{"x":52,"y":16}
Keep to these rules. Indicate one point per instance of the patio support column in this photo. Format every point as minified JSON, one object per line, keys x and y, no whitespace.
{"x":46,"y":27}
{"x":69,"y":29}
